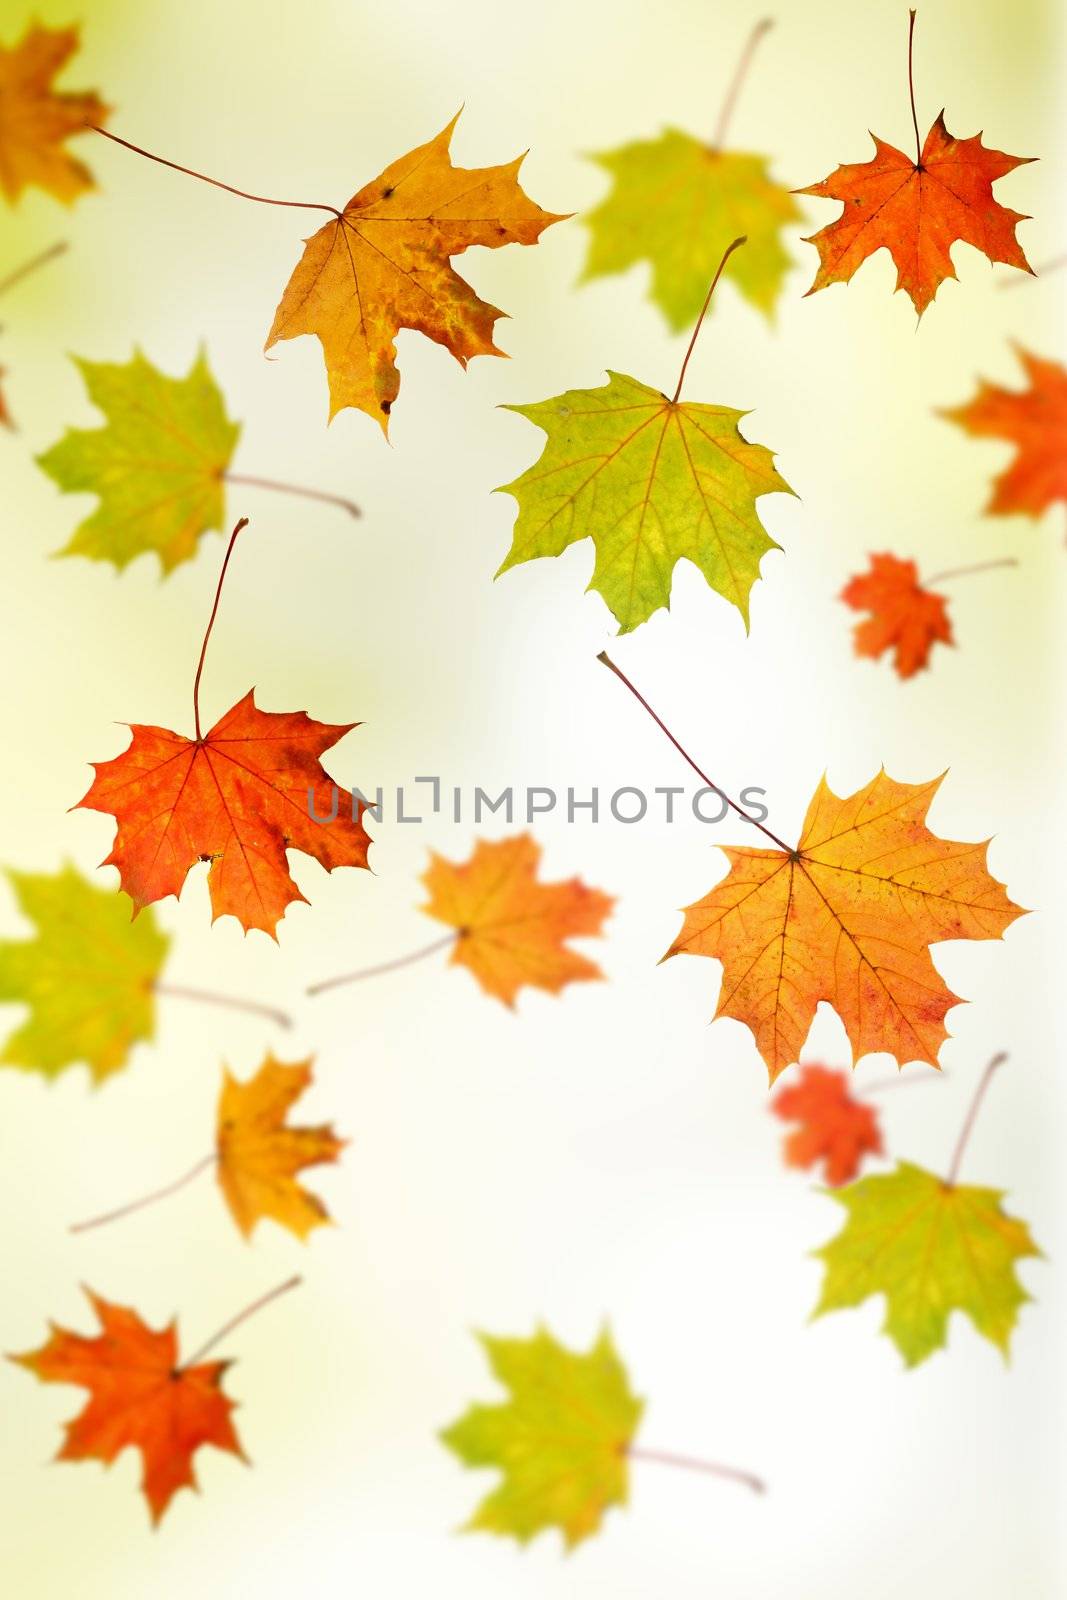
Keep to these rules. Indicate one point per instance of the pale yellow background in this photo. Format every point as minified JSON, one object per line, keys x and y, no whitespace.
{"x":607,"y":1154}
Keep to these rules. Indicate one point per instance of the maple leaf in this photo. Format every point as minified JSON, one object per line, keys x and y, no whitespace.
{"x":383,"y":265}
{"x":652,"y":482}
{"x":931,"y":1247}
{"x":847,"y":917}
{"x":87,"y":977}
{"x":157,"y":465}
{"x":259,"y":1155}
{"x":835,"y":1127}
{"x":918,"y":209}
{"x":560,"y":1440}
{"x":512,"y":929}
{"x":237,"y":798}
{"x":905,"y":617}
{"x":35,"y":120}
{"x":138,"y":1396}
{"x":5,"y":414}
{"x":1034,"y":420}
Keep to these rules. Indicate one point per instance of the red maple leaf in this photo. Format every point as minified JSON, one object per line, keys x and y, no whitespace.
{"x":835,"y":1127}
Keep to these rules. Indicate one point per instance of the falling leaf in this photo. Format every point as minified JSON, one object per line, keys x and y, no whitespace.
{"x":513,"y":930}
{"x":35,"y":119}
{"x":5,"y":414}
{"x":138,"y":1396}
{"x":238,"y":798}
{"x":87,"y":977}
{"x":1034,"y":420}
{"x":676,"y":203}
{"x":259,"y":1155}
{"x":652,"y":482}
{"x":847,"y":918}
{"x":157,"y":465}
{"x":560,"y":1440}
{"x":383,"y":265}
{"x":917,"y":212}
{"x":931,"y":1248}
{"x":835,"y":1127}
{"x":905,"y":617}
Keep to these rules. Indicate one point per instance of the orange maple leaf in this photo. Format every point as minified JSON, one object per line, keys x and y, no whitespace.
{"x":917,"y":210}
{"x":383,"y":265}
{"x":512,"y":929}
{"x":35,"y":120}
{"x":905,"y":617}
{"x":237,"y":797}
{"x":139,"y":1396}
{"x":835,"y":1127}
{"x":1034,"y":420}
{"x":847,"y":917}
{"x":259,"y":1156}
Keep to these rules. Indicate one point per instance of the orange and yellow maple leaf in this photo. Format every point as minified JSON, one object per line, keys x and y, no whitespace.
{"x":1034,"y":420}
{"x":905,"y":618}
{"x":36,"y":120}
{"x":513,"y":930}
{"x":384,"y":264}
{"x":834,"y":1127}
{"x":847,"y":917}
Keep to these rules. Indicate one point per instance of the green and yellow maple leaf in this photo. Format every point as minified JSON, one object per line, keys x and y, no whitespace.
{"x":652,"y":482}
{"x":560,"y":1440}
{"x":677,"y":203}
{"x":157,"y":465}
{"x":87,"y":977}
{"x":931,"y":1247}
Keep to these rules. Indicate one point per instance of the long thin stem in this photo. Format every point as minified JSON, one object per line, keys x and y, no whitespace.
{"x":294,"y":488}
{"x":211,"y":623}
{"x":901,"y":1081}
{"x":740,"y":73}
{"x":968,"y":1125}
{"x":242,"y":1316}
{"x":911,"y":89}
{"x":191,"y":172}
{"x":666,"y":1458}
{"x":965,"y":572}
{"x":727,"y":253}
{"x":639,"y":697}
{"x":31,"y":266}
{"x":178,"y":991}
{"x":386,"y":966}
{"x":147,"y":1199}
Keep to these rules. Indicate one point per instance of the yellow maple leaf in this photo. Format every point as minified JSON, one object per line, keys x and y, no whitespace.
{"x":35,"y":119}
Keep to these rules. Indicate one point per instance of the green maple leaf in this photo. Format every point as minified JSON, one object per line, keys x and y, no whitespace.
{"x":157,"y":466}
{"x":931,"y":1248}
{"x":676,"y":203}
{"x":652,"y":482}
{"x":560,"y":1439}
{"x":87,"y":977}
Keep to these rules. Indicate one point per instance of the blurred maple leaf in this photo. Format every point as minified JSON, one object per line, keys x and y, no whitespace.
{"x":35,"y":119}
{"x":835,"y":1127}
{"x":87,"y":977}
{"x":259,"y":1155}
{"x":918,"y":209}
{"x":1034,"y":420}
{"x":905,"y":617}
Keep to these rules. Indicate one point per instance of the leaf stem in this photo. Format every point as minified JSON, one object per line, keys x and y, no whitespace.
{"x":294,"y":488}
{"x":901,"y":1081}
{"x":965,"y":572}
{"x":639,"y":697}
{"x":386,"y":966}
{"x":667,"y":1458}
{"x":911,"y":91}
{"x":190,"y":172}
{"x":968,"y":1125}
{"x":740,"y":73}
{"x":727,"y":253}
{"x":178,"y":991}
{"x":243,"y":523}
{"x":242,"y":1316}
{"x":147,"y":1199}
{"x":31,"y":266}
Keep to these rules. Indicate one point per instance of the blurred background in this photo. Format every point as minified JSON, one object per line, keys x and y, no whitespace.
{"x":607,"y":1154}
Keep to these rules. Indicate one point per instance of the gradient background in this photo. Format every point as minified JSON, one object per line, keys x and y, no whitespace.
{"x":606,"y":1154}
